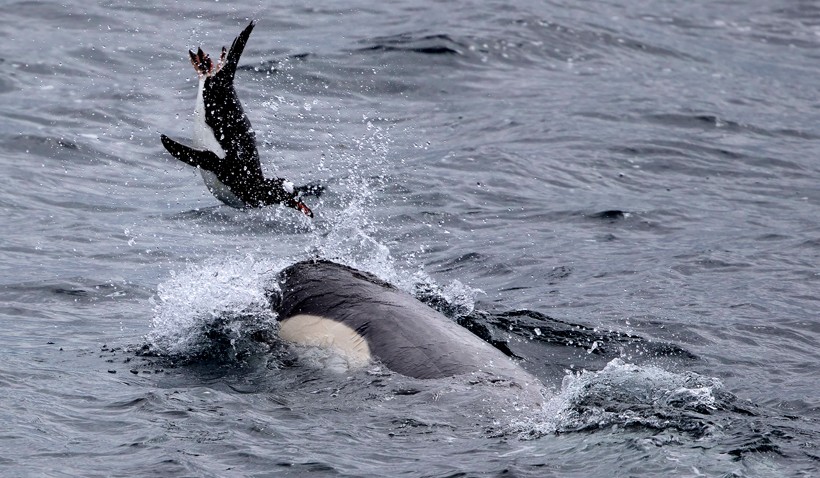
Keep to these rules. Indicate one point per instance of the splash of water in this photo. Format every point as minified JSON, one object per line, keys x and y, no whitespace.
{"x":627,"y":395}
{"x":217,"y":304}
{"x":228,"y":294}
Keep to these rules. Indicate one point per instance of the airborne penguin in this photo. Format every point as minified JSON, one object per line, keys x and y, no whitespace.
{"x":224,"y":148}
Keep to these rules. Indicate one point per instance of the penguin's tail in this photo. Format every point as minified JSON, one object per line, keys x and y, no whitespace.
{"x":228,"y":64}
{"x":228,"y":59}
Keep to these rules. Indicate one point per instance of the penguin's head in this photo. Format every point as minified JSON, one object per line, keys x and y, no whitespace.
{"x":282,"y":191}
{"x":295,"y":198}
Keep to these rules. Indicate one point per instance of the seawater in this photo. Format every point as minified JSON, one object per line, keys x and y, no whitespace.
{"x":624,"y":196}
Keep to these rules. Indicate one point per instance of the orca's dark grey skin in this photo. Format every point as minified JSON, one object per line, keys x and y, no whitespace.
{"x":329,"y":305}
{"x":224,"y":142}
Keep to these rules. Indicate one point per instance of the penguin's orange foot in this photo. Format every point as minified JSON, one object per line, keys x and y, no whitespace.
{"x":203,"y":64}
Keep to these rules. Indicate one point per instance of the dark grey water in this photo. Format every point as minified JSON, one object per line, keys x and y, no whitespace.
{"x":623,"y":194}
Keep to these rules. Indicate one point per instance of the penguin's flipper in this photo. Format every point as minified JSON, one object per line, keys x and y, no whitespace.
{"x":199,"y":159}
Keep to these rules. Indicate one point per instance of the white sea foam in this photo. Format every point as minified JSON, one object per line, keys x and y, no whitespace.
{"x":624,"y":394}
{"x":229,"y":291}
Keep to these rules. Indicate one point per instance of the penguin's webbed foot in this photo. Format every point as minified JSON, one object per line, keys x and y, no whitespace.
{"x":201,"y":61}
{"x":222,"y":58}
{"x":203,"y":64}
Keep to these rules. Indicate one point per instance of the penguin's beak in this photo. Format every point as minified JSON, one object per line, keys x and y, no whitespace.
{"x":303,"y":207}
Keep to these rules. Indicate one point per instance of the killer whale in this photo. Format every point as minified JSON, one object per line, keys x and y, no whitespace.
{"x":224,"y":147}
{"x":329,"y":305}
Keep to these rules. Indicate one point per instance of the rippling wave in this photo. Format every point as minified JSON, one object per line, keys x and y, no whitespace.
{"x":622,"y":196}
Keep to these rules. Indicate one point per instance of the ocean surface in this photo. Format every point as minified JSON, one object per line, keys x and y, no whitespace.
{"x":622,"y":195}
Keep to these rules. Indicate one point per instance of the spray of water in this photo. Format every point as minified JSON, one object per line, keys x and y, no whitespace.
{"x":224,"y":297}
{"x":623,"y":395}
{"x":213,"y":307}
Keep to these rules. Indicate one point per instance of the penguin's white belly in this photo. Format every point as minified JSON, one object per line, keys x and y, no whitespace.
{"x":219,"y":190}
{"x":204,"y":139}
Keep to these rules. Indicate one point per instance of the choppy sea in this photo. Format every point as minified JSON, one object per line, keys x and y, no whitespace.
{"x":622,"y":195}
